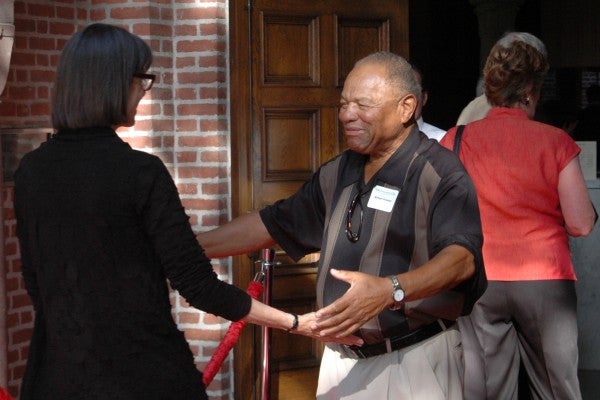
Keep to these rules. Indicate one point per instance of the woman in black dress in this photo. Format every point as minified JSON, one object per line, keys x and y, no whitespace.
{"x":101,"y":229}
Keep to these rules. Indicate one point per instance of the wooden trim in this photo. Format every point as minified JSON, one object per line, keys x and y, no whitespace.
{"x":241,"y":191}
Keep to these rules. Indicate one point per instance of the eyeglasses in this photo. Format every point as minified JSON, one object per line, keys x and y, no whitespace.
{"x":146,"y":79}
{"x":354,"y":236}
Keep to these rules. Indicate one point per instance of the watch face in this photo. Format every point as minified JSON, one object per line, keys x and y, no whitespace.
{"x":398,"y":295}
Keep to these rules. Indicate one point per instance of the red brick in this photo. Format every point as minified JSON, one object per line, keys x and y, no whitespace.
{"x":168,"y":141}
{"x":201,"y":109}
{"x":8,"y":109}
{"x":213,"y":29}
{"x":20,"y":336}
{"x":43,"y":92}
{"x":40,"y":10}
{"x":202,"y":141}
{"x":186,"y":94}
{"x":12,"y":319}
{"x":42,"y":60}
{"x":213,"y":93}
{"x":186,"y":30}
{"x":213,"y":220}
{"x":168,"y":109}
{"x":187,"y":157}
{"x":160,"y":125}
{"x":193,"y":220}
{"x":212,"y":319}
{"x":167,"y":158}
{"x":193,"y":78}
{"x":12,"y":284}
{"x":213,"y":61}
{"x":19,"y":58}
{"x":10,"y":248}
{"x":188,"y":318}
{"x":98,"y":14}
{"x":134,"y":13}
{"x":161,"y":61}
{"x":183,"y":62}
{"x":17,"y":371}
{"x":204,"y":204}
{"x":200,"y":13}
{"x":61,"y":28}
{"x":166,"y":14}
{"x":153,"y":29}
{"x":198,"y":334}
{"x":41,"y":27}
{"x":24,"y":25}
{"x":210,"y":125}
{"x":65,"y":12}
{"x":213,"y":156}
{"x":201,"y":45}
{"x":103,"y":2}
{"x":139,"y":142}
{"x":42,"y":76}
{"x":19,"y":300}
{"x":42,"y":109}
{"x":13,"y":356}
{"x":20,"y":7}
{"x":26,"y":317}
{"x":166,"y":46}
{"x":215,"y":188}
{"x":186,"y":125}
{"x":187,"y":189}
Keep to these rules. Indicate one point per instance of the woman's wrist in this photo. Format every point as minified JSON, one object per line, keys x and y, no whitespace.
{"x":294,"y":324}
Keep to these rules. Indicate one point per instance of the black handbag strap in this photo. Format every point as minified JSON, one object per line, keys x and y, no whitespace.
{"x":459,"y":132}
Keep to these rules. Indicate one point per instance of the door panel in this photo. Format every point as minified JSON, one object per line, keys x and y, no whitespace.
{"x":289,"y":60}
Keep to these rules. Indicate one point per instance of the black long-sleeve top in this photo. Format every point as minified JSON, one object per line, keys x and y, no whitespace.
{"x":101,"y":229}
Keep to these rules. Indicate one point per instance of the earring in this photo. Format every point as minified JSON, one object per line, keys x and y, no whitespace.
{"x":526,"y":101}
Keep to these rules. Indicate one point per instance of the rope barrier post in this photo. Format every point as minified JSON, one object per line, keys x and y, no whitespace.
{"x":268,"y":256}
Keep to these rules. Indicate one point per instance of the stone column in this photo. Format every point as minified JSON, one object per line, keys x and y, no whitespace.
{"x":495,"y":18}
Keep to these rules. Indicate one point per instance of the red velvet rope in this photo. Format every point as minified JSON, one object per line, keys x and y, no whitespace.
{"x":255,"y":289}
{"x":4,"y":395}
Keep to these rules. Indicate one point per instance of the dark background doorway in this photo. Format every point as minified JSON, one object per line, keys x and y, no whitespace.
{"x":445,"y":44}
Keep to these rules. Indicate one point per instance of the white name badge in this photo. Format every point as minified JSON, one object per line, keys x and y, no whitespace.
{"x":383,"y":198}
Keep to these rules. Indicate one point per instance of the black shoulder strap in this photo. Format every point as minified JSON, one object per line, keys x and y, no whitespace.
{"x":457,"y":138}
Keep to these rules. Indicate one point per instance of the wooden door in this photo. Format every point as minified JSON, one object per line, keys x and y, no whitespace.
{"x":289,"y":60}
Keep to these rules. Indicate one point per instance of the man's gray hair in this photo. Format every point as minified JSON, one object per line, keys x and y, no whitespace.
{"x":400,"y":72}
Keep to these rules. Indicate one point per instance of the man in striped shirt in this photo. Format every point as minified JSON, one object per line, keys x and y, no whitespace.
{"x":396,"y":220}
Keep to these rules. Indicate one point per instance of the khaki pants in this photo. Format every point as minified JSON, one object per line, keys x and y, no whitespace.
{"x":429,"y":370}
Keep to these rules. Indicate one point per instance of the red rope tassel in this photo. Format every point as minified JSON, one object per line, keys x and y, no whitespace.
{"x":255,"y":289}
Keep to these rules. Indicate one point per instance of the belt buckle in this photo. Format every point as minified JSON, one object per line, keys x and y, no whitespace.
{"x":354,"y":352}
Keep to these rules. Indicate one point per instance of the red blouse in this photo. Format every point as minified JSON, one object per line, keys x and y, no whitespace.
{"x":515,"y":163}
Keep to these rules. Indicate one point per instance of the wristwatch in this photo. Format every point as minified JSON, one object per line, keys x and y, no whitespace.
{"x":397,"y":293}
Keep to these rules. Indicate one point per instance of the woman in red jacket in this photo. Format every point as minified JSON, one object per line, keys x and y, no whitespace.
{"x":531,"y":195}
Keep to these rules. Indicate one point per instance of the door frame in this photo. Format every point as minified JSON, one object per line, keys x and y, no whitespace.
{"x":240,"y":84}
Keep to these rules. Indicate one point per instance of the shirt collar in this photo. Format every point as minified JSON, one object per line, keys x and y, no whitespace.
{"x":502,"y":112}
{"x":400,"y":160}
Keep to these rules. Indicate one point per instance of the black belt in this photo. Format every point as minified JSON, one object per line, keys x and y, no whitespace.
{"x":400,"y":342}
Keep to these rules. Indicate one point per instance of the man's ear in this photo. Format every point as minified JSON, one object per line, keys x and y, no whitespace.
{"x":425,"y":97}
{"x":406,"y":107}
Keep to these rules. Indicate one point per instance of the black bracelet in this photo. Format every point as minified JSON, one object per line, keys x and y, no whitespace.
{"x":294,"y":324}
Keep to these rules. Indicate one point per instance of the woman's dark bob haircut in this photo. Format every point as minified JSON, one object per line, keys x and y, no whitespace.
{"x":93,"y":77}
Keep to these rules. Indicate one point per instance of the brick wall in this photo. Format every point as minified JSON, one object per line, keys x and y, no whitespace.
{"x":183,"y":120}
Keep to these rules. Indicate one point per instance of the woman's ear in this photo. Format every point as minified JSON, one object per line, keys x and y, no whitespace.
{"x":406,"y":107}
